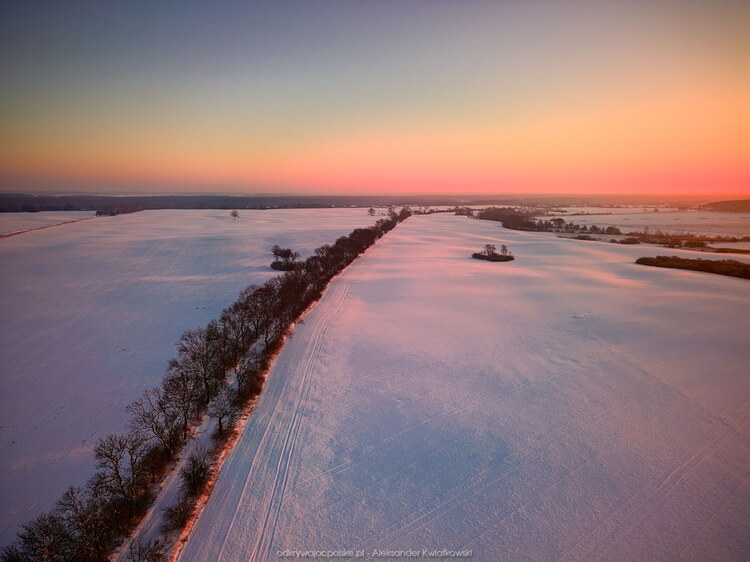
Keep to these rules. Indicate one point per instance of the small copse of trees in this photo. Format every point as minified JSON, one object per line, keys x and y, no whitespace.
{"x":516,"y":219}
{"x":284,"y":259}
{"x":490,"y":253}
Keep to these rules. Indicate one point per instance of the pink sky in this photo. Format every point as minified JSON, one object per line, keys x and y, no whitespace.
{"x":419,"y":97}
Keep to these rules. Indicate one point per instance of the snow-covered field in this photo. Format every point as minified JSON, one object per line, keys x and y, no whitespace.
{"x":17,"y":222}
{"x":678,"y":222}
{"x":568,"y":405}
{"x":626,"y":210}
{"x":90,"y":315}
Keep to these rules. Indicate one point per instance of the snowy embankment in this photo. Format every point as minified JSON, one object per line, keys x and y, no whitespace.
{"x":567,"y":405}
{"x":91,"y":314}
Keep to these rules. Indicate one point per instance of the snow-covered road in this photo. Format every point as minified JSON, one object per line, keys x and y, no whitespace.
{"x":568,"y":405}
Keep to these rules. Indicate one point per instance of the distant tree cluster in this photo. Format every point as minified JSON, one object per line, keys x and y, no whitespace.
{"x":17,"y":202}
{"x":284,"y":259}
{"x":118,"y":209}
{"x":736,"y":206}
{"x":89,"y":522}
{"x":519,"y":219}
{"x":463,"y":211}
{"x":490,"y":253}
{"x":732,"y":268}
{"x":516,"y":219}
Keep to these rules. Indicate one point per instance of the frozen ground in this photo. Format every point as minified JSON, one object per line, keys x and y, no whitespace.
{"x":568,"y":405}
{"x":16,"y":222}
{"x":90,"y":315}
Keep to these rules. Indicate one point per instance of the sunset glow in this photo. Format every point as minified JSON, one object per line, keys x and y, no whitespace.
{"x":376,"y":97}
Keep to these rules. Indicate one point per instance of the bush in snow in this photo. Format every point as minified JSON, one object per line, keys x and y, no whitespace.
{"x":196,"y":473}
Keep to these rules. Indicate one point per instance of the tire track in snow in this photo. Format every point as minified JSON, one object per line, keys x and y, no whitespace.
{"x":464,"y":494}
{"x":275,"y":433}
{"x":265,"y":539}
{"x":443,"y":417}
{"x":613,"y":529}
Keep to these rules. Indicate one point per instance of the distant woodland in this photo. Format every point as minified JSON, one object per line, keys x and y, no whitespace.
{"x":732,"y":268}
{"x":525,"y":219}
{"x":737,"y":206}
{"x":112,"y":204}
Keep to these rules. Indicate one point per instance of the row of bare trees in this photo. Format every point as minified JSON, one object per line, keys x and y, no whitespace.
{"x":217,"y":369}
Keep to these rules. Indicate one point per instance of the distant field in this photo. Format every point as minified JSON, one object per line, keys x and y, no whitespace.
{"x":699,"y":222}
{"x":91,"y":312}
{"x":14,"y":222}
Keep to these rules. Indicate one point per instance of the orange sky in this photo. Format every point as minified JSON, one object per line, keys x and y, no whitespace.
{"x":571,"y":97}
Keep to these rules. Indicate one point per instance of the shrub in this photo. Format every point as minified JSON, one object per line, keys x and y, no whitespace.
{"x":196,"y":472}
{"x":177,"y":516}
{"x":141,"y":550}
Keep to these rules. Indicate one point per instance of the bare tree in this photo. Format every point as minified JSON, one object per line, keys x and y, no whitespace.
{"x":124,"y":474}
{"x":222,"y":408}
{"x":153,"y":415}
{"x":248,"y":367}
{"x":86,"y":516}
{"x":199,"y":355}
{"x":262,"y":305}
{"x":45,"y":538}
{"x":182,"y":393}
{"x":237,"y":330}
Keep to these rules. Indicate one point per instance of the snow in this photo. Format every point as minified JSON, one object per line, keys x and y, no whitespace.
{"x":18,"y":222}
{"x":678,"y":222}
{"x":567,"y":405}
{"x":91,"y":312}
{"x":626,"y":210}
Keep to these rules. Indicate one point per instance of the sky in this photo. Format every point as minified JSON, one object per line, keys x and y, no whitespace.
{"x":378,"y":97}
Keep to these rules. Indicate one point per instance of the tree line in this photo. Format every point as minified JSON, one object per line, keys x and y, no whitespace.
{"x":515,"y":219}
{"x":731,"y":268}
{"x":89,"y":522}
